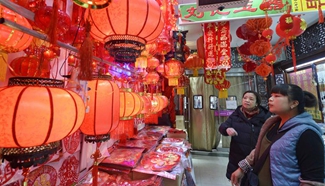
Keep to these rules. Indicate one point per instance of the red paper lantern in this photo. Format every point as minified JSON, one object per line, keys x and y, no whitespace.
{"x":152,"y":78}
{"x":103,"y":117}
{"x":299,"y":26}
{"x":286,"y":22}
{"x":162,"y":68}
{"x":194,"y":62}
{"x":12,"y":40}
{"x":265,"y":5}
{"x":30,"y":66}
{"x":94,"y":4}
{"x":267,"y":33}
{"x":43,"y":18}
{"x":158,"y":103}
{"x":249,"y":66}
{"x":175,"y":70}
{"x":270,"y":58}
{"x":152,"y":63}
{"x":200,"y":47}
{"x":163,"y":44}
{"x":35,"y":114}
{"x":151,"y":48}
{"x":124,"y":27}
{"x":259,"y":24}
{"x":131,"y":104}
{"x":146,"y":104}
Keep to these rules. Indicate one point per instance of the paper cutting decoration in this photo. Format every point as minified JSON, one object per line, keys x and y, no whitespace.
{"x":44,"y":175}
{"x":72,"y":142}
{"x":69,"y":171}
{"x":6,"y":173}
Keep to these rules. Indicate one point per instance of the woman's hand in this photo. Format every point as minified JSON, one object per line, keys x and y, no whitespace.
{"x":236,"y":177}
{"x":231,"y":132}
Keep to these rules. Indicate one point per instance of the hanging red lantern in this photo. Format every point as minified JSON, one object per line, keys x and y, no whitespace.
{"x":43,"y":19}
{"x":267,"y":33}
{"x":249,"y":66}
{"x":263,"y":70}
{"x":152,"y":63}
{"x":162,"y":68}
{"x":259,"y":24}
{"x":200,"y":47}
{"x":194,"y":62}
{"x":163,"y":44}
{"x":270,"y":58}
{"x":152,"y":78}
{"x":103,"y":117}
{"x":151,"y":48}
{"x":244,"y":49}
{"x":125,"y":30}
{"x":158,"y":103}
{"x":175,"y":70}
{"x":265,"y":5}
{"x":131,"y":104}
{"x":35,"y":114}
{"x":299,"y":26}
{"x":30,"y":66}
{"x":286,"y":21}
{"x":146,"y":105}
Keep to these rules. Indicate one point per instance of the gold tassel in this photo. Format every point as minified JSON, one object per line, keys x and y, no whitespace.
{"x":86,"y":56}
{"x":223,"y":93}
{"x":3,"y":66}
{"x":52,"y":29}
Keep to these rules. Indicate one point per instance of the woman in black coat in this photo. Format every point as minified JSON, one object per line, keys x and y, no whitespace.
{"x":244,"y":126}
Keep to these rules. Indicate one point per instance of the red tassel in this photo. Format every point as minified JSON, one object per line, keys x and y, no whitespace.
{"x":294,"y":60}
{"x":86,"y":56}
{"x":52,"y":29}
{"x":320,"y":13}
{"x":95,"y":156}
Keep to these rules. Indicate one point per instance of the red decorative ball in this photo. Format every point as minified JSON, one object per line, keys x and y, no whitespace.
{"x":286,"y":22}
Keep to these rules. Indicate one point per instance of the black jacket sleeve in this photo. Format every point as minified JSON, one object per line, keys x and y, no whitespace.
{"x":310,"y":155}
{"x":223,"y":127}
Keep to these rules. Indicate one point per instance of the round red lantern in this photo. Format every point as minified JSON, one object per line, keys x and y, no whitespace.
{"x":163,"y":44}
{"x":200,"y":47}
{"x":265,"y":5}
{"x":35,"y":114}
{"x":249,"y":66}
{"x":194,"y":62}
{"x":162,"y":68}
{"x":146,"y":104}
{"x":131,"y":104}
{"x":286,"y":22}
{"x":267,"y":33}
{"x":43,"y":18}
{"x":270,"y":58}
{"x":175,"y":70}
{"x":152,"y":63}
{"x":12,"y":40}
{"x":30,"y":66}
{"x":152,"y":78}
{"x":260,"y":47}
{"x":299,"y":26}
{"x":103,"y":117}
{"x":158,"y":103}
{"x":124,"y":27}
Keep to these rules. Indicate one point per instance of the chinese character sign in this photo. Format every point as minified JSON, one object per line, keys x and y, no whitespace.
{"x":224,"y":60}
{"x":210,"y":42}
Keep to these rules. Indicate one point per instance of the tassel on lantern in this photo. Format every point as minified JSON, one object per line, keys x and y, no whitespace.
{"x":95,"y":156}
{"x":52,"y":29}
{"x":195,"y":72}
{"x":86,"y":56}
{"x":223,"y":93}
{"x":3,"y":66}
{"x":294,"y":60}
{"x":320,"y":14}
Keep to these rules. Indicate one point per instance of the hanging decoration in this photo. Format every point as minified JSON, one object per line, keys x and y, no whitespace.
{"x":11,"y":40}
{"x":210,"y":34}
{"x":263,"y":70}
{"x":200,"y":47}
{"x":222,"y":84}
{"x":223,"y":43}
{"x":249,"y":66}
{"x":194,"y":62}
{"x":175,"y":70}
{"x":30,"y":66}
{"x":25,"y":142}
{"x":123,"y":27}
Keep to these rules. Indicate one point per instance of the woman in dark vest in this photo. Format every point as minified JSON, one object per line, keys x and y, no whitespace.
{"x":244,"y":126}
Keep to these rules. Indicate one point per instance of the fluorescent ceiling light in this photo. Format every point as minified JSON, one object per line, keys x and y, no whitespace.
{"x":305,"y":64}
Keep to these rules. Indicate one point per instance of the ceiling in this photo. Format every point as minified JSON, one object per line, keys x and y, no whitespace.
{"x":195,"y":30}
